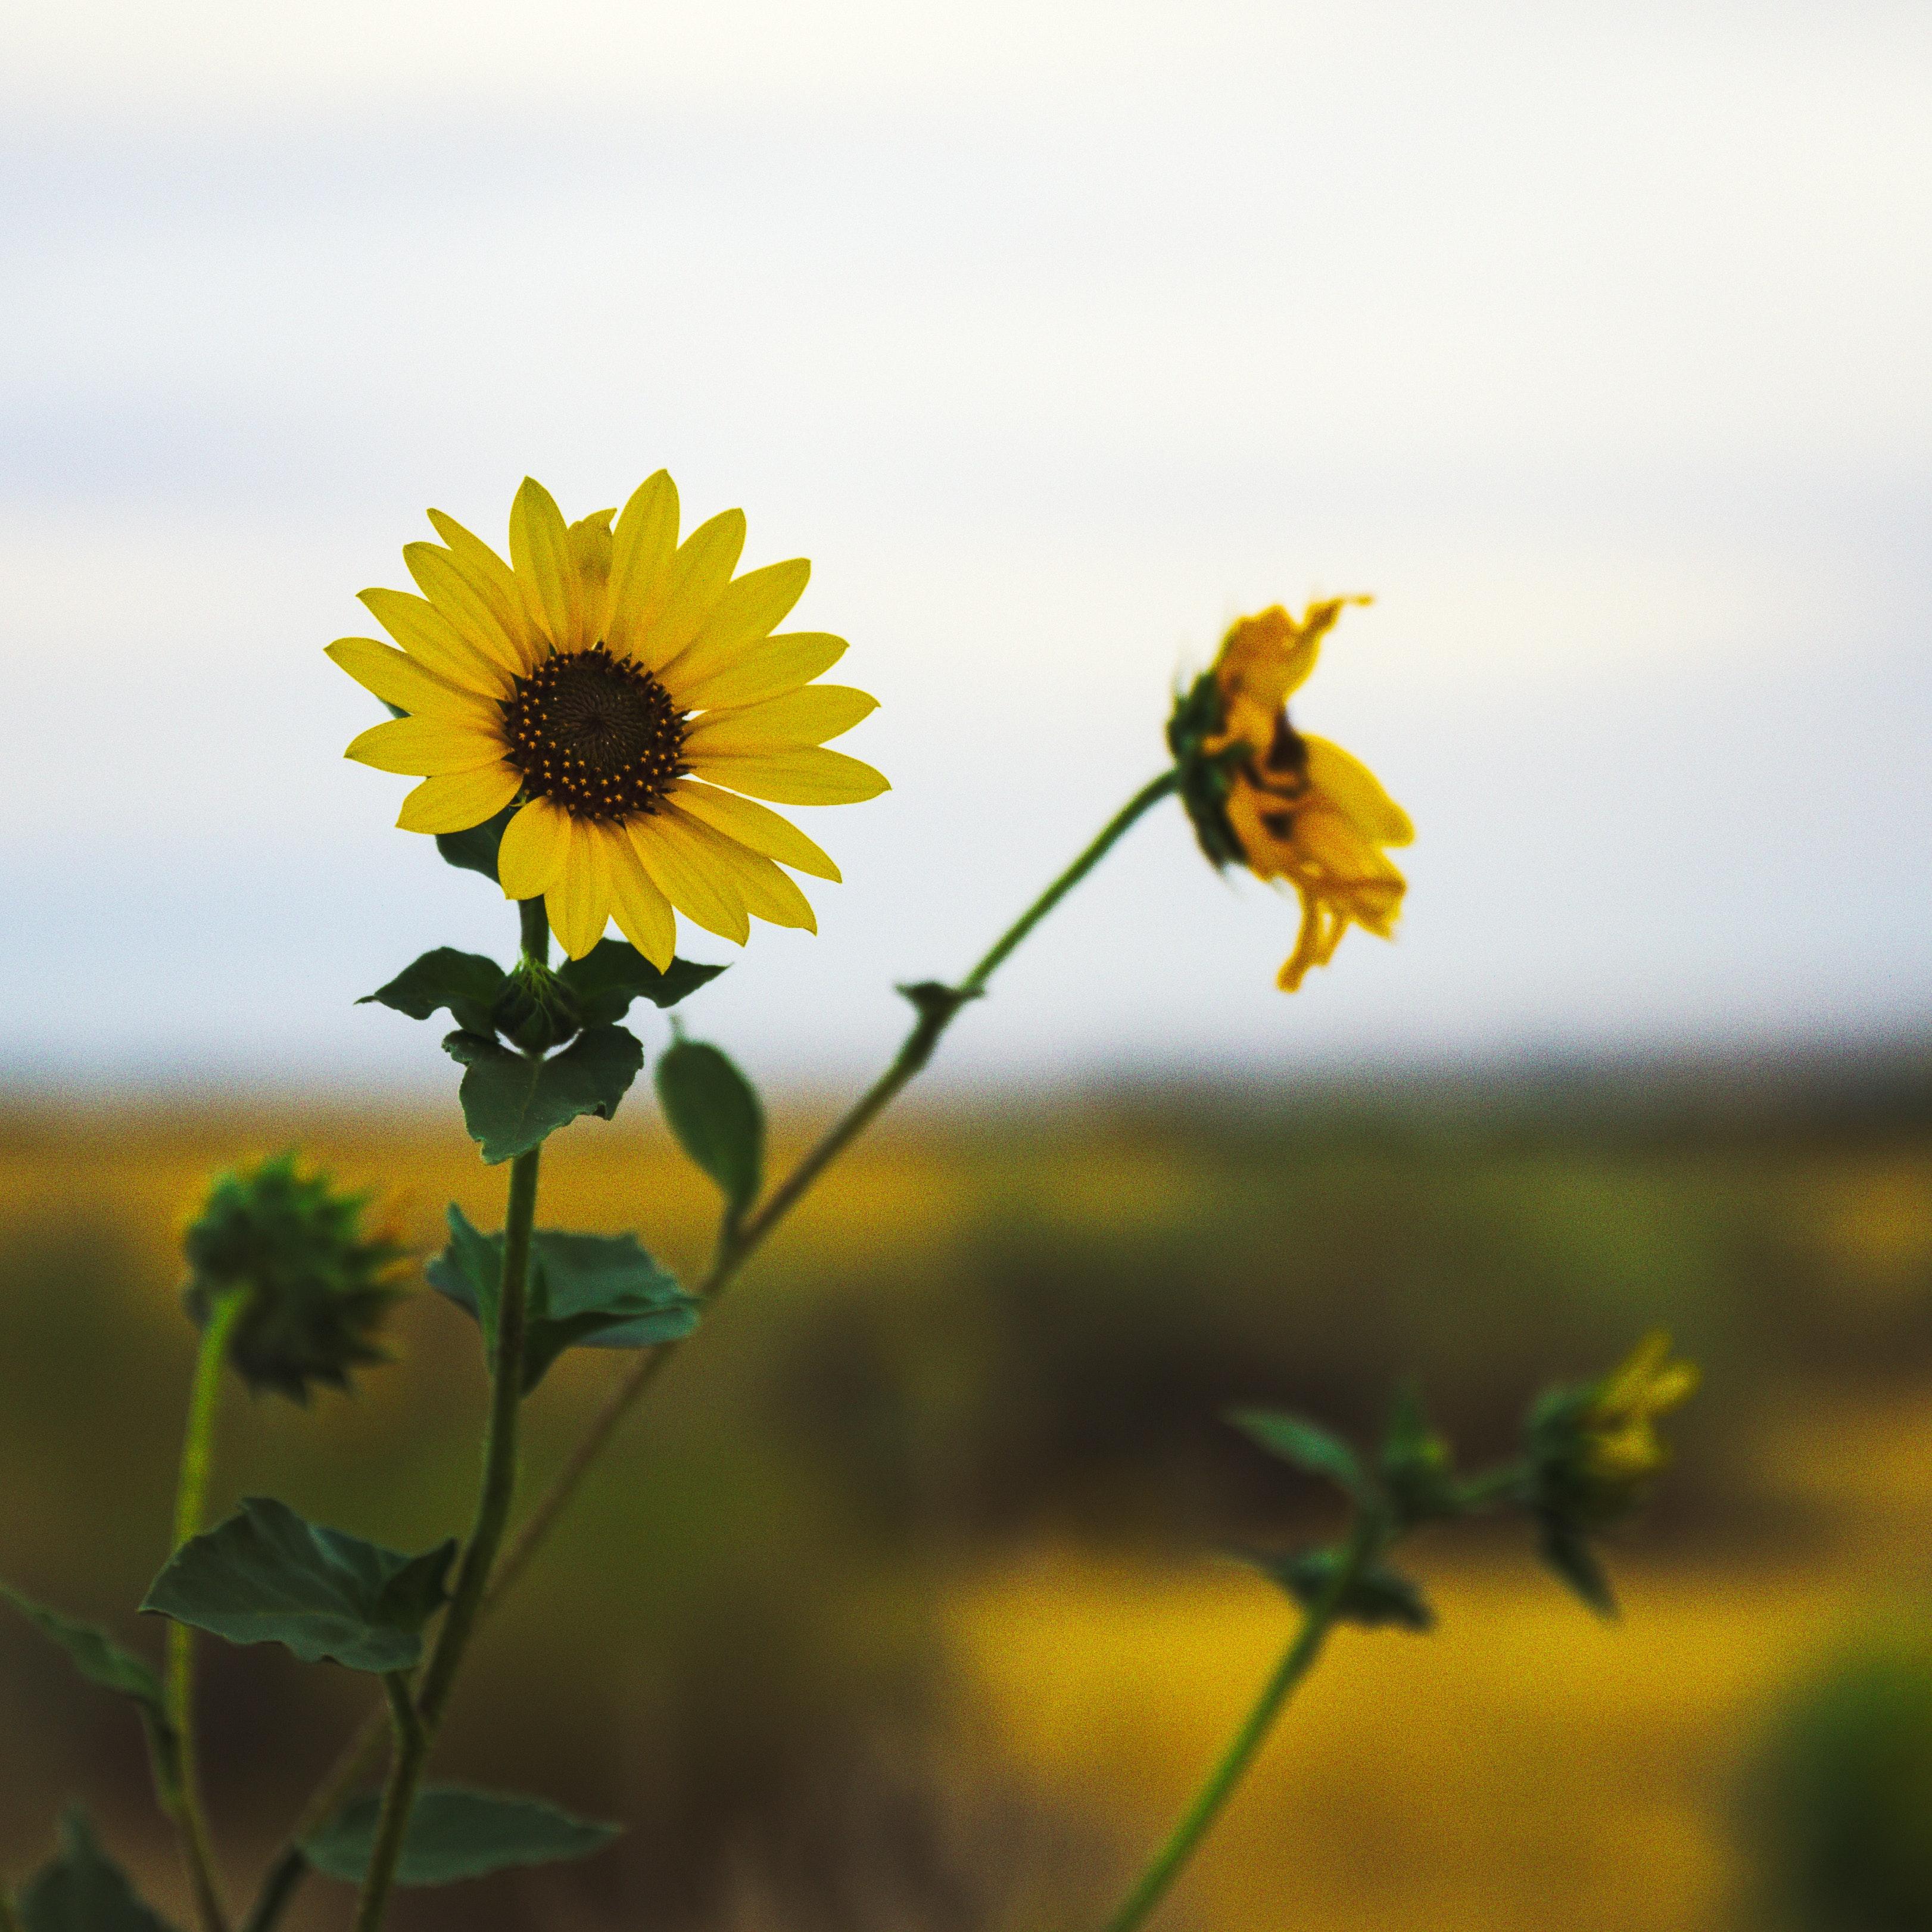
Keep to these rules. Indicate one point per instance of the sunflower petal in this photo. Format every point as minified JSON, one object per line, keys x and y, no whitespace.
{"x":535,"y":843}
{"x":425,"y":747}
{"x":398,"y":678}
{"x":683,"y":870}
{"x":748,"y":609}
{"x":767,"y":892}
{"x":471,"y":612}
{"x":493,"y":579}
{"x":454,"y":801}
{"x":426,"y":634}
{"x":767,"y":669}
{"x":696,"y":580}
{"x":541,"y":556}
{"x":644,"y":915}
{"x":800,"y":718}
{"x":642,"y":546}
{"x":578,"y":899}
{"x":1356,"y":791}
{"x":813,"y":776}
{"x":752,"y":825}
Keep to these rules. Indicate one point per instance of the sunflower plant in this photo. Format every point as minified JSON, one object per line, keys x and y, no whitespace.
{"x":598,"y":724}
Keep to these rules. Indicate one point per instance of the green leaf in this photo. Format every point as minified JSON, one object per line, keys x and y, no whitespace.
{"x":715,"y":1115}
{"x":466,"y":983}
{"x":475,"y":850}
{"x":1379,"y":1596}
{"x":585,"y":1291}
{"x":1573,"y":1561}
{"x":456,"y":1833}
{"x":1309,"y":1447}
{"x":268,"y":1576}
{"x":100,"y":1660}
{"x":613,"y":972}
{"x":512,"y":1104}
{"x":82,"y":1889}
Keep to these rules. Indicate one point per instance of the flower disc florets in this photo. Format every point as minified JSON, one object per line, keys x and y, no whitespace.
{"x":595,"y":734}
{"x":317,"y":1287}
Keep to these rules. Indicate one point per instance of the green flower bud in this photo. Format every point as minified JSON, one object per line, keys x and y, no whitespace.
{"x":318,"y":1287}
{"x":1593,"y":1453}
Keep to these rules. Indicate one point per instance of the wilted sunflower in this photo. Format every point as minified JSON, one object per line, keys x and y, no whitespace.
{"x":1285,"y":804}
{"x":628,"y":690}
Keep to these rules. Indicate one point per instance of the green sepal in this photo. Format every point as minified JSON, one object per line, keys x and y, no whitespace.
{"x":1418,"y":1468}
{"x":1379,"y":1597}
{"x":268,"y":1576}
{"x":512,"y":1104}
{"x":1199,"y":713}
{"x":475,"y":850}
{"x":465,"y":984}
{"x":1573,"y":1560}
{"x":81,"y":1889}
{"x":585,"y":1291}
{"x":103,"y":1663}
{"x":715,"y":1113}
{"x":1309,"y":1448}
{"x":454,"y":1833}
{"x":613,"y":972}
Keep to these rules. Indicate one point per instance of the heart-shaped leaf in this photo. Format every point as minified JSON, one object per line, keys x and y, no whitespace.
{"x":456,"y":1833}
{"x":82,"y":1889}
{"x":268,"y":1575}
{"x":465,"y":984}
{"x":715,"y":1112}
{"x":475,"y":850}
{"x":511,"y":1103}
{"x":613,"y":972}
{"x":585,"y":1291}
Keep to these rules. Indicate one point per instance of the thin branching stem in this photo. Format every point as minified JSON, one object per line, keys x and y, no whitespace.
{"x":179,"y":1768}
{"x":415,"y":1735}
{"x":937,"y":1007}
{"x":1168,"y":1863}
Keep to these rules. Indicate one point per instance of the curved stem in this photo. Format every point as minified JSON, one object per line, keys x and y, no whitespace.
{"x":937,"y":1007}
{"x":498,"y":1488}
{"x":1169,"y":1862}
{"x":181,"y":1795}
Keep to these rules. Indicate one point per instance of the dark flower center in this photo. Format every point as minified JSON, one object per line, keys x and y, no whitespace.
{"x":597,"y":733}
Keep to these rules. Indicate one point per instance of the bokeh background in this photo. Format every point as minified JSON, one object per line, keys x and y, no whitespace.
{"x":1590,"y":340}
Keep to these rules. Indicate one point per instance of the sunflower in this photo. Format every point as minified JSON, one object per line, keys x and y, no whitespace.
{"x":1286,"y":805}
{"x":627,"y":692}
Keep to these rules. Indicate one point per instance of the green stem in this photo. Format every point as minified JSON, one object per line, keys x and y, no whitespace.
{"x":1150,"y":795}
{"x":534,"y":921}
{"x":181,"y":1794}
{"x":1168,"y":1862}
{"x":937,"y":1007}
{"x":494,"y":1496}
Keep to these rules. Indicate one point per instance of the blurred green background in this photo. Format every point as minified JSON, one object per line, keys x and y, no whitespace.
{"x":899,"y":1605}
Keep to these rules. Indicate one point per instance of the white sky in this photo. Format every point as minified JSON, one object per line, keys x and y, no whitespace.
{"x":1593,"y":339}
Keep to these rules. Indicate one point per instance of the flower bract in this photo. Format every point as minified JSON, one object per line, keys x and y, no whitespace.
{"x":318,"y":1284}
{"x":632,"y":696}
{"x":1287,"y":805}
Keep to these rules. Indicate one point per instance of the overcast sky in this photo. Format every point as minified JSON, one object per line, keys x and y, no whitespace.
{"x":1592,"y":339}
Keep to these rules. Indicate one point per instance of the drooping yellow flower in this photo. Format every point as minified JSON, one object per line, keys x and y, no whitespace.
{"x":1287,"y":804}
{"x":1619,"y":1425}
{"x":628,"y":690}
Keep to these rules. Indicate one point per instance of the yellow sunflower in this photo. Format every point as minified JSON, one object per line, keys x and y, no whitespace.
{"x":1287,"y":804}
{"x":628,"y":690}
